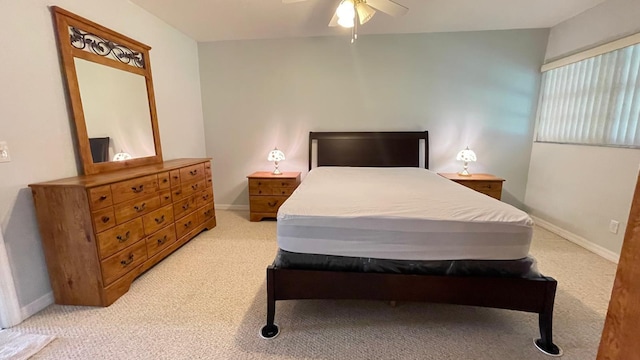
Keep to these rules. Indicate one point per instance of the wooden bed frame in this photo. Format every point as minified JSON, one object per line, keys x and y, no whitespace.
{"x":401,"y":149}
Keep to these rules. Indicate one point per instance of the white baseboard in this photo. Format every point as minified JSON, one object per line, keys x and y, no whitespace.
{"x":578,"y":240}
{"x":232,"y":207}
{"x":37,"y":305}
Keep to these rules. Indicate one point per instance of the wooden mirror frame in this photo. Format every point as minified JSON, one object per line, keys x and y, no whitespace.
{"x":133,"y":57}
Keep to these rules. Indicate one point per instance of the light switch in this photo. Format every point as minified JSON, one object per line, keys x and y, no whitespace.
{"x":4,"y":152}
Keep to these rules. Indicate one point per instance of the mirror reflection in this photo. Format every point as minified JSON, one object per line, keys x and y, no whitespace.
{"x":116,"y":112}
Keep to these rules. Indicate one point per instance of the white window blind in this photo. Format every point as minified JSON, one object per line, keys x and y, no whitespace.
{"x":595,"y":101}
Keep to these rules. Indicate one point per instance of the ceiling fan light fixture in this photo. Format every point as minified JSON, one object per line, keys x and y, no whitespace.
{"x":365,"y":12}
{"x":346,"y":13}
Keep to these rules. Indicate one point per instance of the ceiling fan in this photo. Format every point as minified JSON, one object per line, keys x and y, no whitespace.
{"x":350,"y":12}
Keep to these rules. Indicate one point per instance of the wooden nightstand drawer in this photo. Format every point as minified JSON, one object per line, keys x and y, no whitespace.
{"x":485,"y":183}
{"x":482,"y":186}
{"x":267,"y":204}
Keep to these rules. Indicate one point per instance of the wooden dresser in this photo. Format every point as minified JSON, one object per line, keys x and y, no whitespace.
{"x":485,"y":183}
{"x":268,"y":191}
{"x":99,"y":232}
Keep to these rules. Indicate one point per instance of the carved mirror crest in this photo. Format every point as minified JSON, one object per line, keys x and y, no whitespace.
{"x":111,"y":93}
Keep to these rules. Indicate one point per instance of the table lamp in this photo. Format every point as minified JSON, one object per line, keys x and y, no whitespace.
{"x":276,"y":155}
{"x":466,"y":156}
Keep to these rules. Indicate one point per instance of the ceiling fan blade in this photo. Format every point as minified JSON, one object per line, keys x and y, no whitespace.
{"x":387,"y":6}
{"x":334,"y":20}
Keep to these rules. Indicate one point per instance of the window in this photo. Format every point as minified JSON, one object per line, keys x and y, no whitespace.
{"x":594,"y":101}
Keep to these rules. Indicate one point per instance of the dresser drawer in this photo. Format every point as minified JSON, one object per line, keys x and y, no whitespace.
{"x":266,"y":204}
{"x":191,"y":173}
{"x":184,"y":207}
{"x":207,"y":169}
{"x":164,"y":180}
{"x":131,"y":189}
{"x":204,"y":197}
{"x":124,"y":261}
{"x":131,"y":209}
{"x":177,"y":193}
{"x":103,"y":219}
{"x":186,"y":224}
{"x":205,"y":213}
{"x":165,"y":197}
{"x":174,"y":177}
{"x":118,"y":238}
{"x":193,"y":188}
{"x":157,"y":219}
{"x":100,"y":197}
{"x":161,"y":240}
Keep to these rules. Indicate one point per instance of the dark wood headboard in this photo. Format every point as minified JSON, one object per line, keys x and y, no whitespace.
{"x":373,"y":149}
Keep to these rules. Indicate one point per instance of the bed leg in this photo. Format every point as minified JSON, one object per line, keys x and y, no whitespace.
{"x":270,"y":330}
{"x":545,"y":321}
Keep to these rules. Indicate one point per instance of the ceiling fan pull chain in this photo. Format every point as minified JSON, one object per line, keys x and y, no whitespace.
{"x":354,"y":29}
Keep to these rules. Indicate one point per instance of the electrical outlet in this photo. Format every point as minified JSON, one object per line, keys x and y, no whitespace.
{"x":613,"y":226}
{"x":4,"y":152}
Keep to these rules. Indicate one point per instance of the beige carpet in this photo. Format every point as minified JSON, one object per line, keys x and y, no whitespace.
{"x":207,"y":301}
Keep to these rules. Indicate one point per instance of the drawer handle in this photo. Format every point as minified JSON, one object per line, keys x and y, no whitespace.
{"x":140,"y":208}
{"x":259,"y":183}
{"x":284,"y":184}
{"x":187,"y":224}
{"x":163,"y":240}
{"x":194,"y":186}
{"x":176,"y":177}
{"x":259,"y":191}
{"x":185,"y":206}
{"x":138,"y":188}
{"x":205,"y":197}
{"x":105,"y":219}
{"x":178,"y":192}
{"x":194,"y":172}
{"x":124,"y":238}
{"x":128,"y":261}
{"x":274,"y":203}
{"x":103,"y":198}
{"x":166,"y":197}
{"x":207,"y":213}
{"x":283,"y":192}
{"x":159,"y":220}
{"x":165,"y":180}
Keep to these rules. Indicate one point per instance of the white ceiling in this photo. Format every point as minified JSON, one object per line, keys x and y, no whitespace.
{"x":215,"y":20}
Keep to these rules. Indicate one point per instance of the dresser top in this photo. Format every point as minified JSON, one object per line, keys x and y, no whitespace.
{"x":120,"y":175}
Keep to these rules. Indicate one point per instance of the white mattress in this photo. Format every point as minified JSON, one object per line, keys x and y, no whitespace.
{"x":399,"y":213}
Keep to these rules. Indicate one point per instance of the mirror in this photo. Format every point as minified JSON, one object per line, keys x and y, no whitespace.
{"x":115,"y":106}
{"x":111,"y":94}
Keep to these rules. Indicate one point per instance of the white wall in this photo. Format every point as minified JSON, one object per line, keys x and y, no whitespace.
{"x":582,"y":188}
{"x":472,"y":88}
{"x":35,"y":121}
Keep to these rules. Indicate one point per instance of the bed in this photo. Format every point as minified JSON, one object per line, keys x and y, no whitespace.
{"x":396,"y":248}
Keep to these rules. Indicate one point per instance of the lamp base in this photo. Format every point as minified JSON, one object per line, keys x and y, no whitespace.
{"x":464,"y":173}
{"x":276,"y":172}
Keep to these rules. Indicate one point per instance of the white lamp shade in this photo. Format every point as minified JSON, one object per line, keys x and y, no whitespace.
{"x":466,"y":155}
{"x":275,"y":155}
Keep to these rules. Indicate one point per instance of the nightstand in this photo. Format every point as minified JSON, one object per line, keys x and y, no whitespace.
{"x":484,"y":183}
{"x":268,"y":191}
